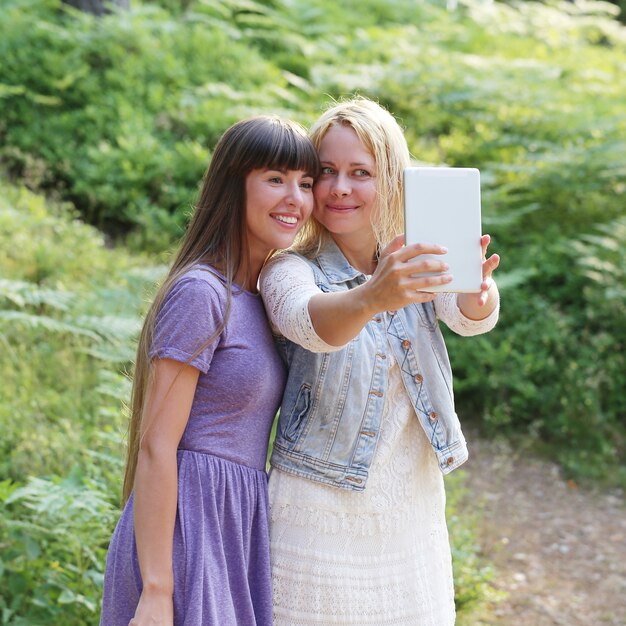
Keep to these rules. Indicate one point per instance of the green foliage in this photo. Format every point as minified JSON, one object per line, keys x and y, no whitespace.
{"x":54,"y":535}
{"x":116,"y":119}
{"x":98,"y":107}
{"x":69,"y":313}
{"x":69,"y":306}
{"x":555,"y":366}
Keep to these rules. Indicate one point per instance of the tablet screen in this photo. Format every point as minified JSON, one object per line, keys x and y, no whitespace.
{"x":442,"y":206}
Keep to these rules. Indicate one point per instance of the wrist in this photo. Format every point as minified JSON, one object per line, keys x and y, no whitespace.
{"x":365,"y":303}
{"x":158,"y":586}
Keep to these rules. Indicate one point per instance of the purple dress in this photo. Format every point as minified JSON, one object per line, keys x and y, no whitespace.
{"x":221,"y":536}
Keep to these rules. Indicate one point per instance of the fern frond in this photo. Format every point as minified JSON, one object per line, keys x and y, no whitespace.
{"x":43,"y":322}
{"x":23,"y":293}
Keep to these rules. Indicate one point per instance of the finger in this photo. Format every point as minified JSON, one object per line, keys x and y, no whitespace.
{"x":424,"y":296}
{"x":417,"y":249}
{"x":485,"y":240}
{"x":416,"y":267}
{"x":490,"y":265}
{"x":395,"y":245}
{"x":425,"y":282}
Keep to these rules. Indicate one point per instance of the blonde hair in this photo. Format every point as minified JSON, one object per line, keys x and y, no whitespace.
{"x":217,"y":235}
{"x":381,"y":135}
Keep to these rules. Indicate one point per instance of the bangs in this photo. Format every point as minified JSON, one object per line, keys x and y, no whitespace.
{"x":283,"y":146}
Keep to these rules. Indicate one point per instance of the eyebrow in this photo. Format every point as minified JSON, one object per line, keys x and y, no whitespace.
{"x":284,"y":171}
{"x":353,"y":164}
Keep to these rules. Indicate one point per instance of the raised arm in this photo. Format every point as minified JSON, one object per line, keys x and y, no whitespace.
{"x":336,"y":318}
{"x":287,"y":284}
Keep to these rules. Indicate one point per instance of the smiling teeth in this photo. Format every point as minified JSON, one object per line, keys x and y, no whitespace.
{"x":286,"y":220}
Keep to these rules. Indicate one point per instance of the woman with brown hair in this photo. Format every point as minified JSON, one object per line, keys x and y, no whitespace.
{"x":191,"y":546}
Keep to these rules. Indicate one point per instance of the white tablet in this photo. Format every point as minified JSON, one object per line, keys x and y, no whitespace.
{"x":442,"y":206}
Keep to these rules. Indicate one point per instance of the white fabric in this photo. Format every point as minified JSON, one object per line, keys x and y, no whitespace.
{"x":380,"y":557}
{"x":287,"y":284}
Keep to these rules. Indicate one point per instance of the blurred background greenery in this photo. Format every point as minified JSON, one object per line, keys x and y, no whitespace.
{"x":107,"y":123}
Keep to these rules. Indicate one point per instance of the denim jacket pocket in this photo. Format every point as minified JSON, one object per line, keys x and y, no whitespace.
{"x":298,"y":413}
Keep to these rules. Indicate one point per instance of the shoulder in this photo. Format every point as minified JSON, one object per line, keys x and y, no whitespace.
{"x":289,"y":256}
{"x":203,"y":278}
{"x":200,"y":286}
{"x":285,"y":262}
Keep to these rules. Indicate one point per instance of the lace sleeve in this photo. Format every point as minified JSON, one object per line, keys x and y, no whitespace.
{"x":287,"y":284}
{"x":448,"y":311}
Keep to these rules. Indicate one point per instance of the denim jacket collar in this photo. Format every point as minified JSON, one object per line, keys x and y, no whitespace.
{"x":335,"y":266}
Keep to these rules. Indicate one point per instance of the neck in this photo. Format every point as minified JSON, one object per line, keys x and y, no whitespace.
{"x":360,"y":251}
{"x":247,"y":277}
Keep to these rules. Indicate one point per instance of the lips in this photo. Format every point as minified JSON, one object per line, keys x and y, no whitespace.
{"x":334,"y":207}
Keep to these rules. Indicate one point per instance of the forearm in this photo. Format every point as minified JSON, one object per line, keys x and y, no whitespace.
{"x":339,"y":317}
{"x":155,"y":502}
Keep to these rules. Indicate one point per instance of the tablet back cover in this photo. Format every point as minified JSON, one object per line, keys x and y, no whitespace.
{"x":442,"y":206}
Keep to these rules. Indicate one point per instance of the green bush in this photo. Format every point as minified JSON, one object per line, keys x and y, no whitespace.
{"x":115,"y":119}
{"x":69,"y":313}
{"x":119,"y":113}
{"x":555,"y":367}
{"x":53,"y":535}
{"x":472,"y":574}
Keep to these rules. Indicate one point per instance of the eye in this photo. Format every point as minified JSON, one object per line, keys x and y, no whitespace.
{"x":361,"y":173}
{"x":306,"y":184}
{"x":328,"y":171}
{"x":276,"y":179}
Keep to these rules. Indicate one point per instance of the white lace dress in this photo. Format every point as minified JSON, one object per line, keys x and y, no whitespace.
{"x":380,"y":557}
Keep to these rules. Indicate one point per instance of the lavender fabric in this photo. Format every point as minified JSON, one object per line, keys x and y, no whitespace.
{"x":221,"y":536}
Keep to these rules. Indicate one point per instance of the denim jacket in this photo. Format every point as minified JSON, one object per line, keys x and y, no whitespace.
{"x":332,"y":408}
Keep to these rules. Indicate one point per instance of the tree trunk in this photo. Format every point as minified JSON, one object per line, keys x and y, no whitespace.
{"x":97,"y":7}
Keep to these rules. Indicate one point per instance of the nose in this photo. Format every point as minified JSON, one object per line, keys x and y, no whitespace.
{"x":295,"y":197}
{"x":340,"y":186}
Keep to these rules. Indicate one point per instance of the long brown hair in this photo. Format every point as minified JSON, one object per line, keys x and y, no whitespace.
{"x":217,"y":236}
{"x":382,"y":136}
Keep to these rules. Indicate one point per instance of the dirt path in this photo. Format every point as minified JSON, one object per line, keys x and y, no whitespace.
{"x":559,"y":550}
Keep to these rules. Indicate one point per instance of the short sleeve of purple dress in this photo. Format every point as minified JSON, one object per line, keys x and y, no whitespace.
{"x":221,"y":536}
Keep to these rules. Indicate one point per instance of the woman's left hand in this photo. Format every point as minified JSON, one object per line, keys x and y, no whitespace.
{"x":489,"y":265}
{"x":474,"y":305}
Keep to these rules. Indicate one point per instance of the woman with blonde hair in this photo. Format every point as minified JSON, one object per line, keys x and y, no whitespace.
{"x":367,"y":424}
{"x":191,"y":546}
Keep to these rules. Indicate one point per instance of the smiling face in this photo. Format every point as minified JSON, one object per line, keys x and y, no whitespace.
{"x":346,"y":193}
{"x":278,"y":202}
